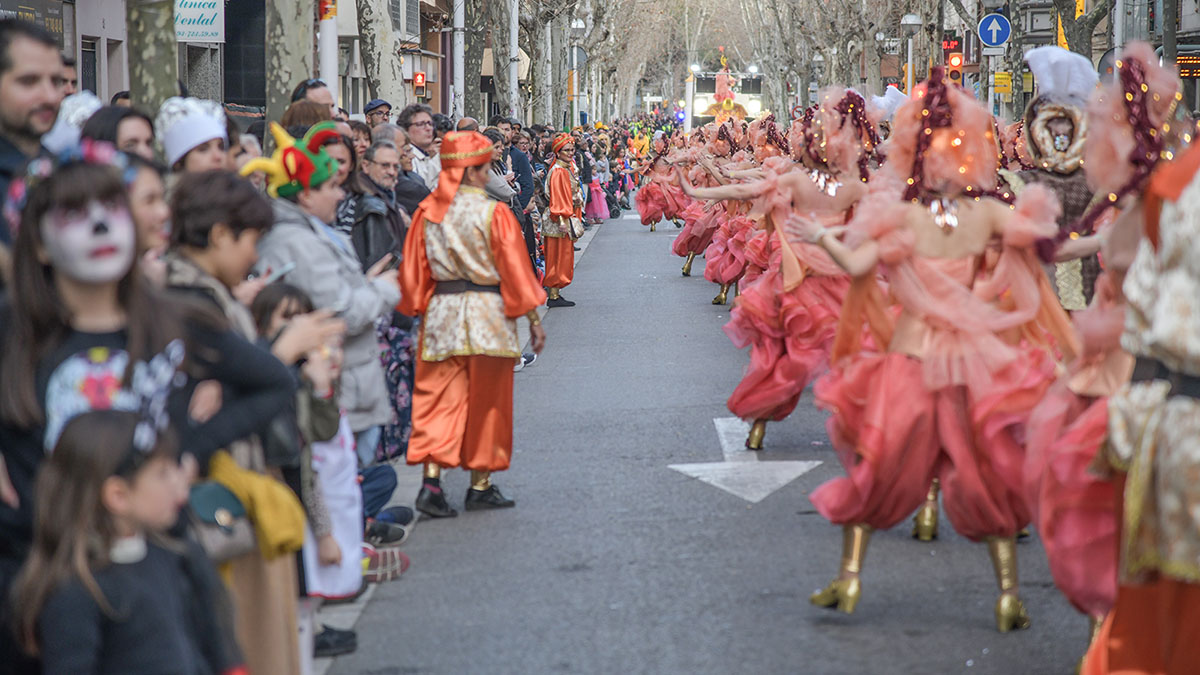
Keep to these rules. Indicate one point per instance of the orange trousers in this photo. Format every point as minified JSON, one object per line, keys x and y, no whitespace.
{"x":1154,"y":628}
{"x":560,"y":261}
{"x":462,"y":412}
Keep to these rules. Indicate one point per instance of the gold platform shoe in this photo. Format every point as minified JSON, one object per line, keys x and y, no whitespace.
{"x":925,"y":523}
{"x":1010,"y":611}
{"x":687,"y":265}
{"x":652,"y":227}
{"x":721,"y":297}
{"x":844,"y":592}
{"x":757,"y":430}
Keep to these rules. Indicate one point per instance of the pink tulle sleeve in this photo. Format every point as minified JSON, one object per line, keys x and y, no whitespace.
{"x":880,"y":217}
{"x":1036,"y":213}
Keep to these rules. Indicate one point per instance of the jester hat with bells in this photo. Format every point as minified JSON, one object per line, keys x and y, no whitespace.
{"x":297,"y":165}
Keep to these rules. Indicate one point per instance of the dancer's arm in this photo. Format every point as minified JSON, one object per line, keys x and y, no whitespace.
{"x":1073,"y":249}
{"x":858,"y":262}
{"x":733,"y":191}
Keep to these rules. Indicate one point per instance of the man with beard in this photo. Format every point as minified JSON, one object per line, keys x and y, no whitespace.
{"x":31,"y":89}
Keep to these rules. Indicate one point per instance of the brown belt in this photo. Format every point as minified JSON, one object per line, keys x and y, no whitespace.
{"x":462,"y":286}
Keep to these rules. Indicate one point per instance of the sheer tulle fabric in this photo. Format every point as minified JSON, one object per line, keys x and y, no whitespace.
{"x":699,"y":226}
{"x":597,"y":206}
{"x":893,"y":435}
{"x":651,"y":203}
{"x":789,"y":334}
{"x":725,"y":257}
{"x":1074,"y":510}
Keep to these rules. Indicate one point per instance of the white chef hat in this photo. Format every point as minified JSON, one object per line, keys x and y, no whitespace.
{"x":1061,"y":74}
{"x":72,"y":114}
{"x":185,"y":123}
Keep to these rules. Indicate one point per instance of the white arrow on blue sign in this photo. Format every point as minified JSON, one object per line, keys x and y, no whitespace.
{"x":994,"y":30}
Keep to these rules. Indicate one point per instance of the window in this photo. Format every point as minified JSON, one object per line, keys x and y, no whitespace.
{"x":413,"y":17}
{"x":396,"y":9}
{"x":88,"y":62}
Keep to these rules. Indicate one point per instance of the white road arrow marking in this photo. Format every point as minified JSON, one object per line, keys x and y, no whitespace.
{"x":742,"y":474}
{"x":994,"y":27}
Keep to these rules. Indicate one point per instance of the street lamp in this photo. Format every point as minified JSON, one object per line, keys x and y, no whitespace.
{"x":910,"y":24}
{"x":753,"y":69}
{"x":695,"y":67}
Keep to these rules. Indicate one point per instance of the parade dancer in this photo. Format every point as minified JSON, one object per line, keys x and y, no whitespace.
{"x":788,"y":314}
{"x":466,"y":273}
{"x":1056,"y":130}
{"x":563,"y":224}
{"x":944,"y":397}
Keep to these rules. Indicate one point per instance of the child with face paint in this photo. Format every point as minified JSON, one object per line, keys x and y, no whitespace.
{"x":78,"y":313}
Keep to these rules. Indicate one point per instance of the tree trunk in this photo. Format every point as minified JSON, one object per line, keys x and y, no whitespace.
{"x":560,"y":58}
{"x":289,"y":51}
{"x":380,"y":57}
{"x":497,"y":16}
{"x":1079,"y":30}
{"x":874,"y":67}
{"x":473,"y":60}
{"x":154,"y":74}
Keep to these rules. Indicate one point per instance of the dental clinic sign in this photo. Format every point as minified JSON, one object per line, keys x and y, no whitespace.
{"x":199,"y":20}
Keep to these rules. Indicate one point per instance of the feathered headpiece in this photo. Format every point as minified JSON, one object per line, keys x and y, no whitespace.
{"x":297,"y":165}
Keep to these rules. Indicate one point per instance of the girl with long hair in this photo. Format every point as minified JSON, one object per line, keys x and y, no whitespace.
{"x":103,"y":589}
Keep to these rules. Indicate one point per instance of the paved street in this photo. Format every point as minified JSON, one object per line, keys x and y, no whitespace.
{"x":615,"y":562}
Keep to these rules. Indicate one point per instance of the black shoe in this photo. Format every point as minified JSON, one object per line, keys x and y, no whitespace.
{"x":578,"y":249}
{"x":379,"y":533}
{"x":434,"y":505}
{"x":478,"y":500}
{"x":333,"y":642}
{"x":559,"y":302}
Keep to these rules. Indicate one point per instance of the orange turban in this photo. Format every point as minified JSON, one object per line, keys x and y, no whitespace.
{"x":460,"y":149}
{"x":560,"y":141}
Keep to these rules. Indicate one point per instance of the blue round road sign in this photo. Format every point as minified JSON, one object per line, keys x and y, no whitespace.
{"x":994,"y":30}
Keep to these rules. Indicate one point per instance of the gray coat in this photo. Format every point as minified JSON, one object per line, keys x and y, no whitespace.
{"x":331,"y":275}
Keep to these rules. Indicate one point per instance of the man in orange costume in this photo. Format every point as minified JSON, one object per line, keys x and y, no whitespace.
{"x":466,"y":272}
{"x":566,"y":203}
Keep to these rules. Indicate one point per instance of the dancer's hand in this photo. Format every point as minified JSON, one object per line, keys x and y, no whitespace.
{"x":8,"y":493}
{"x":537,"y":336}
{"x":804,"y":227}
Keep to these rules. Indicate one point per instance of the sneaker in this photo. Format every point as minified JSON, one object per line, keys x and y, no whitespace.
{"x":400,"y":515}
{"x":379,"y":533}
{"x":332,"y":642}
{"x":478,"y":500}
{"x":559,"y":302}
{"x":528,"y":358}
{"x":519,"y":366}
{"x":383,"y":564}
{"x":434,"y":504}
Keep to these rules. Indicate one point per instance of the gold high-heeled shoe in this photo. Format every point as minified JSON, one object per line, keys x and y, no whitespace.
{"x":652,"y":227}
{"x":840,"y":594}
{"x":755,"y":440}
{"x":1010,"y":614}
{"x":925,"y":523}
{"x":720,"y":299}
{"x":687,"y":265}
{"x":1010,"y":611}
{"x":844,"y":592}
{"x":1095,"y":623}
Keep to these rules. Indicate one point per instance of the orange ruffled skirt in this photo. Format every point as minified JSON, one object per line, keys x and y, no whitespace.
{"x":894,"y":435}
{"x":789,"y":335}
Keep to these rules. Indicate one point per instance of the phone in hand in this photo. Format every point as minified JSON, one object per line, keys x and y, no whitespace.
{"x":278,"y":274}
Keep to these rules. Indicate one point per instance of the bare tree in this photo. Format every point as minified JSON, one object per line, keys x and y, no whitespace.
{"x":1079,"y":30}
{"x":289,"y":51}
{"x":380,"y":53}
{"x":154,"y":75}
{"x":498,"y":14}
{"x":473,"y":58}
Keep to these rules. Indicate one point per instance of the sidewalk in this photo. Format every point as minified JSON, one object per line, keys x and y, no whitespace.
{"x":408,"y":483}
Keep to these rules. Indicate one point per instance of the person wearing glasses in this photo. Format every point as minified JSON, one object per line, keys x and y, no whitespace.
{"x":317,"y":91}
{"x":410,"y":188}
{"x":378,"y":111}
{"x":417,"y":121}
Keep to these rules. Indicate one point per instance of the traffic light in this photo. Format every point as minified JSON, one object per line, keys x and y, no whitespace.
{"x":954,"y":68}
{"x":419,"y":84}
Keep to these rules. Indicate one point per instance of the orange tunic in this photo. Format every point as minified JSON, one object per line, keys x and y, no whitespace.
{"x":462,"y":395}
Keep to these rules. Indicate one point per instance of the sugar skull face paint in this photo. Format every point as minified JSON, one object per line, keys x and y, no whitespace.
{"x":94,"y":244}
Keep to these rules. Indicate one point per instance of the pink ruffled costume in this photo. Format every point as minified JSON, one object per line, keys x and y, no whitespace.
{"x":1074,"y":507}
{"x":725,"y":257}
{"x":949,"y":397}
